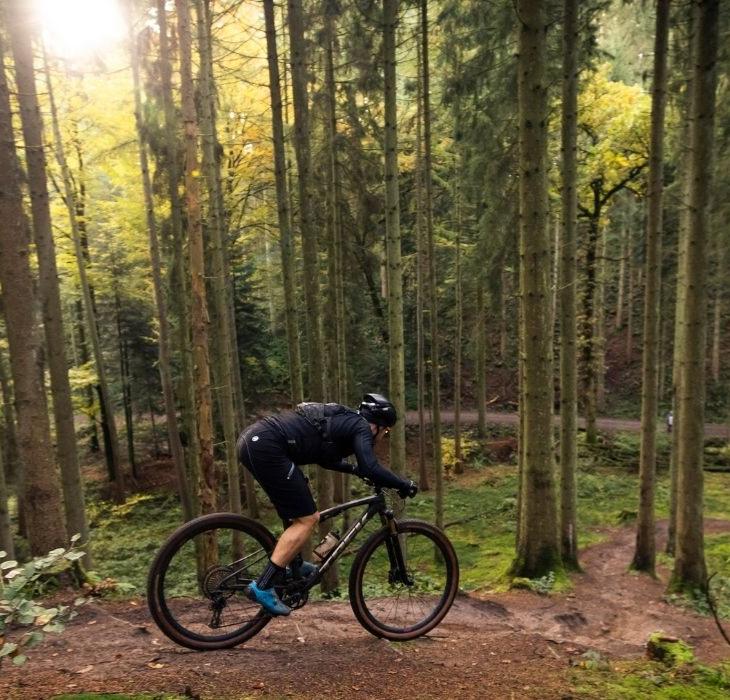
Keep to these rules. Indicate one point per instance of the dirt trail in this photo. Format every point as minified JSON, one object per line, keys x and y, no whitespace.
{"x":514,"y":645}
{"x":609,"y":425}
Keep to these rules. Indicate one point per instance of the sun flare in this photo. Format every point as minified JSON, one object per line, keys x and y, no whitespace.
{"x":78,"y":29}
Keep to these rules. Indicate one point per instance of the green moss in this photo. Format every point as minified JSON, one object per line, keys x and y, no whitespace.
{"x":668,"y":650}
{"x":653,"y":681}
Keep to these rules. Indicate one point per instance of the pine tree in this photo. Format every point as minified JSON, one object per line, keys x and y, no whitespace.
{"x":41,"y":489}
{"x":568,"y":329}
{"x":538,"y":547}
{"x":645,"y":554}
{"x":690,"y":571}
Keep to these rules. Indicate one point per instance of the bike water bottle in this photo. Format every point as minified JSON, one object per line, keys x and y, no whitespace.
{"x":326,"y":546}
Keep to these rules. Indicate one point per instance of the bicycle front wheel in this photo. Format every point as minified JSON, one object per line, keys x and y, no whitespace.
{"x":196,"y":590}
{"x":391,"y":605}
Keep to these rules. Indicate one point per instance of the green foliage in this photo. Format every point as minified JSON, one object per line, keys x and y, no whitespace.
{"x":469,"y":448}
{"x":126,"y":536}
{"x":19,"y":587}
{"x":543,"y":585}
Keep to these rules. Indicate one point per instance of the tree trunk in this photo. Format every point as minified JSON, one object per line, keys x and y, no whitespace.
{"x":619,"y":318}
{"x":8,"y":435}
{"x":481,"y":359}
{"x":421,"y":276}
{"x":6,"y":531}
{"x":216,"y":224}
{"x":645,"y":553}
{"x":681,"y":279}
{"x":126,"y":385}
{"x":568,"y":324}
{"x":286,"y":243}
{"x":690,"y":571}
{"x":437,"y":465}
{"x":503,"y":331}
{"x":107,"y":409}
{"x":179,"y":284}
{"x":315,"y":383}
{"x":49,"y":291}
{"x":459,"y":310}
{"x":538,"y":549}
{"x":173,"y":434}
{"x":41,"y":491}
{"x":601,"y":323}
{"x":589,"y":332}
{"x":630,"y":296}
{"x":208,"y":478}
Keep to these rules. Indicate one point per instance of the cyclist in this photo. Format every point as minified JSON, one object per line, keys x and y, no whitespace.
{"x":314,"y":433}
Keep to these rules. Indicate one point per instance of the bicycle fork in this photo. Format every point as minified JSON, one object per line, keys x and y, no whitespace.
{"x":398,"y":571}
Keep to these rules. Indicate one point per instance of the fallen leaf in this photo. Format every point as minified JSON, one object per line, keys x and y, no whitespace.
{"x":153,"y":665}
{"x":85,"y":669}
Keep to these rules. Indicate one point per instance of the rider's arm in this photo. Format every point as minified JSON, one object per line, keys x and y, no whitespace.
{"x":368,"y":465}
{"x":341,"y":466}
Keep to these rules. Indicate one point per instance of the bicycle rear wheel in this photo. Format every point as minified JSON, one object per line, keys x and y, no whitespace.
{"x":196,"y":589}
{"x":400,"y":610}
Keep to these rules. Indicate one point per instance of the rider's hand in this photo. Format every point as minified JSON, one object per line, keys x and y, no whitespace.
{"x":408,"y":490}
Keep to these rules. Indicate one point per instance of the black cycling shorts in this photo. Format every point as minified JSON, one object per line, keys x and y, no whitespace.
{"x":261,"y":451}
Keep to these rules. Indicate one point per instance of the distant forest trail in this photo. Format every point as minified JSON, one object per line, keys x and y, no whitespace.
{"x":609,"y":425}
{"x":515,"y":644}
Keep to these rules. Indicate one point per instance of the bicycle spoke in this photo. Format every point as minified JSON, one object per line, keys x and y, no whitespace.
{"x":392,"y":606}
{"x":202,"y":593}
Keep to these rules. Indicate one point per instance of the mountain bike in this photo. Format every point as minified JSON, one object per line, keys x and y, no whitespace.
{"x":403,"y":578}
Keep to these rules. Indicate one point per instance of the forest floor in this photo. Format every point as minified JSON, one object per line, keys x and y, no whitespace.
{"x":509,"y":645}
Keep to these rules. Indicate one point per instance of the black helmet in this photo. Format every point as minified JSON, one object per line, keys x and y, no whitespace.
{"x":375,"y":408}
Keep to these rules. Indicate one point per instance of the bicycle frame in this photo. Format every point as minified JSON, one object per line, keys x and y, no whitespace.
{"x":375,"y":506}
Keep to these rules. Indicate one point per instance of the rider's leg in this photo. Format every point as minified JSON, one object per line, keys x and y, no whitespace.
{"x":293,"y":539}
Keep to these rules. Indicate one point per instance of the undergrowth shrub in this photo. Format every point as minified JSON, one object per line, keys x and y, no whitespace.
{"x":20,"y":587}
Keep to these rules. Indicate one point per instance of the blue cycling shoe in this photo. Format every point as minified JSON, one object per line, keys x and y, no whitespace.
{"x":304,"y":570}
{"x":268,"y":599}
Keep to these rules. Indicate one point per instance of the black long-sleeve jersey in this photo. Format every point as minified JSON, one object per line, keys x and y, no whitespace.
{"x":347,"y":433}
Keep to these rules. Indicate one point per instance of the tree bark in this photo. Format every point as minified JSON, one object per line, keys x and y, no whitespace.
{"x":681,"y":280}
{"x":8,"y":435}
{"x":437,"y":460}
{"x":645,"y":552}
{"x":180,"y":290}
{"x":6,"y":531}
{"x":459,"y":310}
{"x":49,"y":291}
{"x":315,"y":383}
{"x":216,"y":224}
{"x":286,"y":243}
{"x":481,"y":359}
{"x":567,"y":295}
{"x":208,"y":478}
{"x":538,"y":548}
{"x":619,"y":318}
{"x":421,"y":277}
{"x":690,"y":571}
{"x":41,"y":492}
{"x":126,"y":384}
